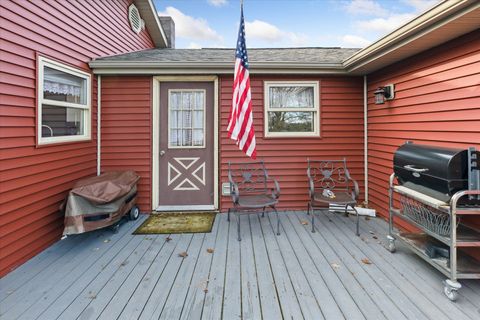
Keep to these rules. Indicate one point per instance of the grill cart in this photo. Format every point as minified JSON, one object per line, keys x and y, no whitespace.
{"x":436,"y":188}
{"x":101,"y":201}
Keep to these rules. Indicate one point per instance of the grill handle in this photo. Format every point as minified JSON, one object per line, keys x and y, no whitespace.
{"x":410,"y":167}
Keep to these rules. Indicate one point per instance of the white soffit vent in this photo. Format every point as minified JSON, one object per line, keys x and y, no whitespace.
{"x":136,"y":22}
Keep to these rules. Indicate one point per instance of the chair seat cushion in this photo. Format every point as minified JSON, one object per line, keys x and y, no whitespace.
{"x":341,"y":198}
{"x":256,"y":201}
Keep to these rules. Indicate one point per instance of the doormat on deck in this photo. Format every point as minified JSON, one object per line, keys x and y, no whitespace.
{"x":177,"y":222}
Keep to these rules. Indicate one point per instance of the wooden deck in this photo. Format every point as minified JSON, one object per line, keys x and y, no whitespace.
{"x":297,"y":275}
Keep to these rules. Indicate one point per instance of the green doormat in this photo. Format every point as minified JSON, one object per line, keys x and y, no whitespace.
{"x":177,"y":222}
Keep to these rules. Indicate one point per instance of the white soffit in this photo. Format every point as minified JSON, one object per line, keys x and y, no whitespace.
{"x":447,"y":21}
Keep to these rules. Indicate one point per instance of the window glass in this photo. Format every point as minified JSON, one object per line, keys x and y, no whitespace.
{"x":61,"y":86}
{"x":64,"y":103}
{"x":59,"y":121}
{"x":291,"y":97}
{"x":280,"y":121}
{"x":186,"y":118}
{"x":291,"y":109}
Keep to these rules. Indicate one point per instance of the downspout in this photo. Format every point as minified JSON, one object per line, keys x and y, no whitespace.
{"x":365,"y":134}
{"x":99,"y":120}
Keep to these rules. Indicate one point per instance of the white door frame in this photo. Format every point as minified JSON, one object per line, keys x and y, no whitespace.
{"x":156,"y":140}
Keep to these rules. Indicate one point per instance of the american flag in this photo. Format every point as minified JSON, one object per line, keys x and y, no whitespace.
{"x":240,"y":123}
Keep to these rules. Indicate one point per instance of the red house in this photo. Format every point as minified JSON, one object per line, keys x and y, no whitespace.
{"x":98,"y":86}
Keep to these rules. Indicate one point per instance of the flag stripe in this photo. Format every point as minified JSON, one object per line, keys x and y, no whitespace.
{"x":240,"y":122}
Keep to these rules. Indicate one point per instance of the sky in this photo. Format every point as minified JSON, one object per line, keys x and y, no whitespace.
{"x":288,"y":23}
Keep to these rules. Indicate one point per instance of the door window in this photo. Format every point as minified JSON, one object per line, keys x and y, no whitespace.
{"x":186,"y":125}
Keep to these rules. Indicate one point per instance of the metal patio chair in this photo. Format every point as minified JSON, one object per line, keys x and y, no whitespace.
{"x":330,"y":183}
{"x":252,"y":189}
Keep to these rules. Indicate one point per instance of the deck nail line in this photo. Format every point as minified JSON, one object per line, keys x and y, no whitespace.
{"x":433,"y":285}
{"x":285,"y":220}
{"x":173,"y":282}
{"x":400,"y":274}
{"x":172,"y":253}
{"x":90,"y":244}
{"x":264,"y":225}
{"x":402,"y":301}
{"x":298,"y":261}
{"x":81,"y":297}
{"x":310,"y":236}
{"x":154,"y":242}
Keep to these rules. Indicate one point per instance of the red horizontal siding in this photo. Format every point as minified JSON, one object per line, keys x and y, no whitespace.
{"x":126,"y":130}
{"x":35,"y":180}
{"x":341,"y":130}
{"x":437,"y":101}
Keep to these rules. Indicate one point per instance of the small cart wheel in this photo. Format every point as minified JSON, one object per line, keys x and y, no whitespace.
{"x":115,"y":228}
{"x":134,"y":213}
{"x":451,"y":294}
{"x":391,"y":244}
{"x":391,"y":247}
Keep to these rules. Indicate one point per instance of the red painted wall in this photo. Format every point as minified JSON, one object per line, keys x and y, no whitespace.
{"x":126,"y":130}
{"x":437,"y":101}
{"x":341,"y":130}
{"x":35,"y":180}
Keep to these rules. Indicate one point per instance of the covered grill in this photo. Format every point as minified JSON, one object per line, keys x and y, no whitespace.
{"x":436,"y":171}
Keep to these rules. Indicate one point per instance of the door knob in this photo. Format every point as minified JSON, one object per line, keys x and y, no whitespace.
{"x":162,"y":152}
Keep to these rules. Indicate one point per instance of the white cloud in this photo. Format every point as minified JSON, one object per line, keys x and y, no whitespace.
{"x":386,"y":19}
{"x":384,"y":25}
{"x":261,"y":30}
{"x":217,"y":3}
{"x":421,"y":5}
{"x":365,"y":7}
{"x":349,"y":40}
{"x":194,"y":45}
{"x":190,"y":27}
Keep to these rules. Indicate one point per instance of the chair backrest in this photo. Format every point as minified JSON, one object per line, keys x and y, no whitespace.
{"x":250,"y":177}
{"x":329,"y":174}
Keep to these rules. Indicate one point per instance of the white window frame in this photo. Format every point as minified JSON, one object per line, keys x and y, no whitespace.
{"x":45,"y":62}
{"x":316,"y":108}
{"x":204,"y":145}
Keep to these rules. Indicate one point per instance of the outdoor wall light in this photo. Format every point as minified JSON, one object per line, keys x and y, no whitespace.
{"x":384,"y":93}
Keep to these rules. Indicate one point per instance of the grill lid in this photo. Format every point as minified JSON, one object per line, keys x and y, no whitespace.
{"x":435,"y":171}
{"x":439,"y":162}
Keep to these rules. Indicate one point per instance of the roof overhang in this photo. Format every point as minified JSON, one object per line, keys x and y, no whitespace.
{"x":446,"y":21}
{"x":152,"y":22}
{"x":159,"y":68}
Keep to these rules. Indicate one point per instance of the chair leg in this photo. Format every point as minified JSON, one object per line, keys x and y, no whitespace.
{"x":313,"y":220}
{"x":358,"y":220}
{"x":263,"y":212}
{"x":278,"y":221}
{"x":308,"y":209}
{"x":228,"y":215}
{"x":238,"y":227}
{"x":346,"y":210}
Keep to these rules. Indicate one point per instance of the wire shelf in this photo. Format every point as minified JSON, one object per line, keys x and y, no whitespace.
{"x":430,"y":218}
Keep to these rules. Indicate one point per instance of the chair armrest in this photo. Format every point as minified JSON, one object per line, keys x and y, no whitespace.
{"x":276,"y":190}
{"x":356,"y":189}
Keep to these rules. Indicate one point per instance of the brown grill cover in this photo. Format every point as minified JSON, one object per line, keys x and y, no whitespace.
{"x":106,"y":187}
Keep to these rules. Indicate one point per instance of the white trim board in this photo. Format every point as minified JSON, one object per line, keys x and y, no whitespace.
{"x":156,"y":139}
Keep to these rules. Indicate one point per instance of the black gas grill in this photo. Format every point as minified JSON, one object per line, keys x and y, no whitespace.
{"x":437,"y":171}
{"x":435,"y":188}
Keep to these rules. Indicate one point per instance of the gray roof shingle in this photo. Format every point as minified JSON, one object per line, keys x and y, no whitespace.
{"x":292,"y":55}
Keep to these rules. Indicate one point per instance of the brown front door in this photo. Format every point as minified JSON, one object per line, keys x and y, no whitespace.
{"x":186,"y":146}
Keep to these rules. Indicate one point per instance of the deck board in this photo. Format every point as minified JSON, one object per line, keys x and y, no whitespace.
{"x":296,"y":275}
